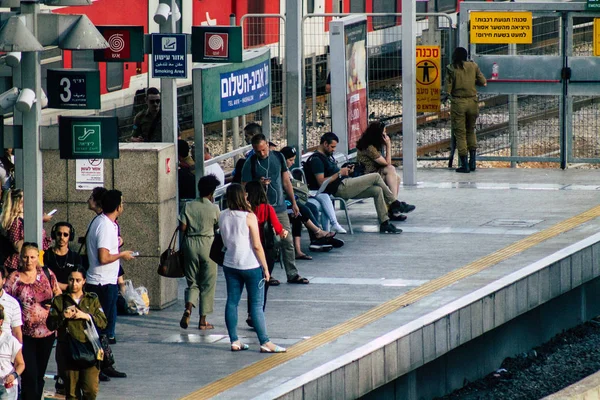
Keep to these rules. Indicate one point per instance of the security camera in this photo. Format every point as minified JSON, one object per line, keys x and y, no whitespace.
{"x":162,"y":13}
{"x":25,"y":100}
{"x":8,"y":98}
{"x":176,"y":15}
{"x":44,"y":99}
{"x":13,"y":59}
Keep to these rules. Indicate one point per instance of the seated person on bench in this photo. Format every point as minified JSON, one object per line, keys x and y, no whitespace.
{"x":321,"y":166}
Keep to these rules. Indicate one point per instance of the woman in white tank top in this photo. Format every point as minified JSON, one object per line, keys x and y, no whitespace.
{"x":244,"y":264}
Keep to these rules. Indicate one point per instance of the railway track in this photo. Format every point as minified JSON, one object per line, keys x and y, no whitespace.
{"x":492,"y":130}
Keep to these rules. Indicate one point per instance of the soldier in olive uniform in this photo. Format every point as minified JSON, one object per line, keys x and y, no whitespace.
{"x":146,"y":124}
{"x":462,"y":77}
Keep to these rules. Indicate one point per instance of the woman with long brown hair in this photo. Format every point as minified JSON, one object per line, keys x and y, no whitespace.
{"x":244,"y":264}
{"x":11,"y":226}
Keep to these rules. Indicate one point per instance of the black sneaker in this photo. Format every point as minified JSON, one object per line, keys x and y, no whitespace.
{"x":103,"y":377}
{"x":400,"y":207}
{"x":397,"y":217}
{"x":320,"y":247}
{"x":112,"y":340}
{"x":388,"y":227}
{"x":336,"y":243}
{"x":113,"y":373}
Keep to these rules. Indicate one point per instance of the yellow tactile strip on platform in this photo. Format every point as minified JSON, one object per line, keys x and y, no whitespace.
{"x":390,"y":306}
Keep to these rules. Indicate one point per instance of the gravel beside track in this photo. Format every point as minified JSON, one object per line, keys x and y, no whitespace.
{"x":565,"y":359}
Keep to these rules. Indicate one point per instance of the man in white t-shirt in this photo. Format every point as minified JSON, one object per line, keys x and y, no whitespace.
{"x":102,"y":245}
{"x":13,"y":319}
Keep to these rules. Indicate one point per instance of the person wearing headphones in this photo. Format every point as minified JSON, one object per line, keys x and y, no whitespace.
{"x":60,"y":258}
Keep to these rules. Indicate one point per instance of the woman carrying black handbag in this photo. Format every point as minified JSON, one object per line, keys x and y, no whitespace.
{"x":70,"y":315}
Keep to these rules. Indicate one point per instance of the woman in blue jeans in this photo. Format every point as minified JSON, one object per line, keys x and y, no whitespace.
{"x":244,"y":264}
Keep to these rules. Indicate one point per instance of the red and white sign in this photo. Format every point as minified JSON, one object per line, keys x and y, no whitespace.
{"x":118,"y":42}
{"x":216,"y":45}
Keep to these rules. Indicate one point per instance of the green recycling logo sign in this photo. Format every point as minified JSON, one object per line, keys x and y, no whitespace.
{"x":87,"y":138}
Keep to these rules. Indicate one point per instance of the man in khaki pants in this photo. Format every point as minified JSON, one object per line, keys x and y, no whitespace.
{"x":321,"y":166}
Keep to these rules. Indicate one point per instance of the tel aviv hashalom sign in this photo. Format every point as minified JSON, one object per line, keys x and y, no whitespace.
{"x":240,"y":87}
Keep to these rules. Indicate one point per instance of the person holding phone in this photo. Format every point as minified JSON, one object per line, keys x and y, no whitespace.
{"x":68,"y":316}
{"x":375,"y":153}
{"x":34,"y":287}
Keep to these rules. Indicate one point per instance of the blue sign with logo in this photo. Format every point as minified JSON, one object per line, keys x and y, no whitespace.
{"x":169,"y":55}
{"x":245,"y":87}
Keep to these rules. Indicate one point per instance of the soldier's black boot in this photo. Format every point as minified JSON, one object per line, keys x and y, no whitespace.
{"x":464,"y":165}
{"x":472,"y":159}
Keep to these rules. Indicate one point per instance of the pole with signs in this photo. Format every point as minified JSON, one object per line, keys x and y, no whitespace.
{"x":168,"y":87}
{"x":32,"y":155}
{"x":293,"y":74}
{"x":409,"y":108}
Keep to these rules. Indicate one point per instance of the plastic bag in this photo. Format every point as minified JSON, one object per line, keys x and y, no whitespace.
{"x":92,"y":334}
{"x":135,"y":301}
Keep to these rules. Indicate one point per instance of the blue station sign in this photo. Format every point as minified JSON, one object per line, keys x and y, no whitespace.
{"x":245,"y":87}
{"x":169,"y":55}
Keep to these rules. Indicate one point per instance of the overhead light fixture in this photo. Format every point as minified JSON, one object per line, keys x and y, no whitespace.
{"x":14,"y":37}
{"x":83,"y":35}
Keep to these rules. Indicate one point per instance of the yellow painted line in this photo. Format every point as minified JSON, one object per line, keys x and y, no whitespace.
{"x":389,"y":307}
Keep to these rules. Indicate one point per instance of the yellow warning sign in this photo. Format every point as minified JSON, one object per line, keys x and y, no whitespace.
{"x":597,"y":36}
{"x":501,"y":27}
{"x":429,"y":75}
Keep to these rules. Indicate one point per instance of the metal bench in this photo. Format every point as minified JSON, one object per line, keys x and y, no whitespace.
{"x":298,"y":173}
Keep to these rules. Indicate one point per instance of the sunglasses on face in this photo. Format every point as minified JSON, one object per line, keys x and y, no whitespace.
{"x":64,"y":234}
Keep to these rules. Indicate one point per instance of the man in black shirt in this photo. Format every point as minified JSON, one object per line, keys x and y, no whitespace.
{"x":321,"y":166}
{"x":59,"y":258}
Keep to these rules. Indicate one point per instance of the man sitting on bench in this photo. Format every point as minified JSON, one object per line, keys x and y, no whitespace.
{"x":321,"y":167}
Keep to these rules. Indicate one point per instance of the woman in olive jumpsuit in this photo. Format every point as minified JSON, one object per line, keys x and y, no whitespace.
{"x":462,"y":77}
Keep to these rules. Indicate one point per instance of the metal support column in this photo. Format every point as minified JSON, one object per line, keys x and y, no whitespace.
{"x":513,"y":117}
{"x":168,"y":92}
{"x":293,"y":74}
{"x":235,"y":121}
{"x":409,"y":93}
{"x":32,"y":169}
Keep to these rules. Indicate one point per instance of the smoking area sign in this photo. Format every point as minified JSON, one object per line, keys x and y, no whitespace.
{"x":429,"y":75}
{"x":501,"y":27}
{"x":169,"y":56}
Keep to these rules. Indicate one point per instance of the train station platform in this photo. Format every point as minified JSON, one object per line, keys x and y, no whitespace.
{"x":383,"y":304}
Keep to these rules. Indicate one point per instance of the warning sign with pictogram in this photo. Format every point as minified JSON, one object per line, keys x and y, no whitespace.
{"x":216,"y":45}
{"x":428,"y":73}
{"x":221,"y":44}
{"x":125,"y":44}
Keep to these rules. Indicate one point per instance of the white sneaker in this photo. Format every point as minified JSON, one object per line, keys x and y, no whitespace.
{"x":338,"y":228}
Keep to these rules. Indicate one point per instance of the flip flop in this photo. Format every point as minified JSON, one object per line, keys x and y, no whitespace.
{"x":304,"y":257}
{"x":298,"y":279}
{"x":274,"y":282}
{"x":205,"y":327}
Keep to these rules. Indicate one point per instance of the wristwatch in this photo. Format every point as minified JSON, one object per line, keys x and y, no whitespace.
{"x":340,"y":175}
{"x":15,"y":374}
